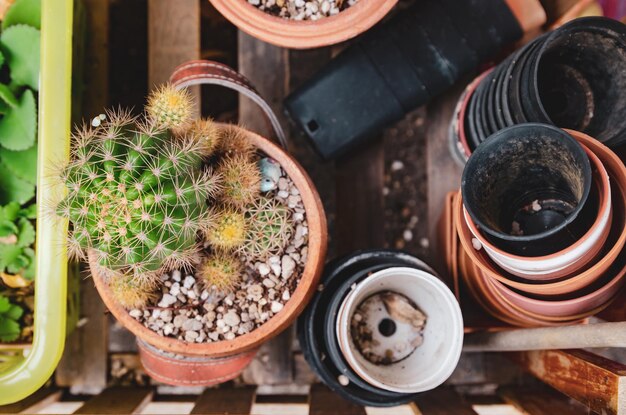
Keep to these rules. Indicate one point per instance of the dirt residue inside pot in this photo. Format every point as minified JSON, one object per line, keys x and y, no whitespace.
{"x":302,"y":9}
{"x":387,"y":327}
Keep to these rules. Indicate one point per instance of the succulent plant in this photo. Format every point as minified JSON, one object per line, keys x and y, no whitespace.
{"x":17,"y":235}
{"x":137,"y":194}
{"x":241,"y":180}
{"x":227,"y":230}
{"x":207,"y":132}
{"x":131,"y":292}
{"x":234,"y":141}
{"x":268,"y":229}
{"x":220,"y":272}
{"x":10,"y":315}
{"x":169,"y":107}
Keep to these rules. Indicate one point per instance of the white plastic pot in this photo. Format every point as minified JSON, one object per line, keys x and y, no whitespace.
{"x":431,"y":363}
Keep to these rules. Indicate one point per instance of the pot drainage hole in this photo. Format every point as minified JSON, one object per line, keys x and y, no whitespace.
{"x":387,"y":327}
{"x":540,"y":216}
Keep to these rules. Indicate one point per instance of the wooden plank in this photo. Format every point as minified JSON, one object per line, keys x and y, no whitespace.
{"x":323,"y":401}
{"x":595,"y":381}
{"x":444,"y":173}
{"x":359,"y":191}
{"x":33,"y":403}
{"x":266,"y":66}
{"x":443,"y":401}
{"x":541,"y":401}
{"x":117,"y":400}
{"x":173,"y":38}
{"x":84,"y":362}
{"x":231,"y":401}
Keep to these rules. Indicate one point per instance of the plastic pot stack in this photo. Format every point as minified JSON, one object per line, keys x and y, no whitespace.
{"x":327,"y":337}
{"x":572,"y":77}
{"x":541,"y":224}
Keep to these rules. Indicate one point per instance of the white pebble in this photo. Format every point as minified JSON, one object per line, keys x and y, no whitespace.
{"x":276,"y":307}
{"x":232,"y":319}
{"x":288,"y":267}
{"x":263,"y":269}
{"x":189,"y":282}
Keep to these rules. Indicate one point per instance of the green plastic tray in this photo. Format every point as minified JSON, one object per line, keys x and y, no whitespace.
{"x":25,"y":375}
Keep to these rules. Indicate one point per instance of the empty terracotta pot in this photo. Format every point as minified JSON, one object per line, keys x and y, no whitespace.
{"x":308,"y":33}
{"x":240,"y":350}
{"x":573,"y":257}
{"x":525,"y":189}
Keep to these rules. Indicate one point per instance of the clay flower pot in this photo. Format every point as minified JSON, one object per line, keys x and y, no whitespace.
{"x":423,"y":368}
{"x":526,"y":189}
{"x":200,"y":362}
{"x":570,"y":259}
{"x":304,"y":34}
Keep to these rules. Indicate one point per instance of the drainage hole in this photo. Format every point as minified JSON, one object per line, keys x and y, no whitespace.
{"x":387,"y":327}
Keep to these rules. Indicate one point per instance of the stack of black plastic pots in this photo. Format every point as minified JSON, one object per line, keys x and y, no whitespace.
{"x":317,"y":326}
{"x":573,"y":78}
{"x":397,"y":67}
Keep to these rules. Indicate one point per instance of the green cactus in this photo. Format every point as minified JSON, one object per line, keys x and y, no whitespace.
{"x":268,"y":229}
{"x":136,"y":195}
{"x":220,"y":272}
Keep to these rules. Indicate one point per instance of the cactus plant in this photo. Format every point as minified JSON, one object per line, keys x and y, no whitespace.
{"x":268,"y":229}
{"x":207,"y":132}
{"x":130,"y":292}
{"x":137,"y":193}
{"x":169,"y":107}
{"x":227,"y":230}
{"x":234,"y":141}
{"x":220,"y":272}
{"x":241,"y":180}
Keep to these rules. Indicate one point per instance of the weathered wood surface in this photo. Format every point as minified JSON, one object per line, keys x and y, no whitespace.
{"x":34,"y":403}
{"x":117,"y":400}
{"x":322,"y":401}
{"x":595,"y":381}
{"x":84,"y":362}
{"x":231,"y":401}
{"x":173,"y":38}
{"x":541,"y":401}
{"x":443,"y":401}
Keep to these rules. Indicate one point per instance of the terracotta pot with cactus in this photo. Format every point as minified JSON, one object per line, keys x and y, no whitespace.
{"x":203,"y":239}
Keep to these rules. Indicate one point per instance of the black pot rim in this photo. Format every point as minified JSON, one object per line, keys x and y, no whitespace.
{"x":492,"y":141}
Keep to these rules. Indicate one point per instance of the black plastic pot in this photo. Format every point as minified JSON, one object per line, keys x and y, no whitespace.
{"x":572,"y":77}
{"x":358,"y":94}
{"x":316,"y":326}
{"x":525,"y":188}
{"x":579,"y":81}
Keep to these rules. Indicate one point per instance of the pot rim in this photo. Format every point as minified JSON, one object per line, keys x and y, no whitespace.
{"x":460,"y":117}
{"x":535,"y":237}
{"x":342,"y":328}
{"x":304,"y":34}
{"x":604,"y":209}
{"x":311,"y":274}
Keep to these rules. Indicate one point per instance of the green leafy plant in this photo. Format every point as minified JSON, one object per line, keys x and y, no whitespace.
{"x":10,"y":315}
{"x":17,"y":235}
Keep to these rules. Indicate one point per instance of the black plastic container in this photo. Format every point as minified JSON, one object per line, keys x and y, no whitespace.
{"x":573,"y":78}
{"x":358,"y":94}
{"x":316,"y":325}
{"x":525,"y":188}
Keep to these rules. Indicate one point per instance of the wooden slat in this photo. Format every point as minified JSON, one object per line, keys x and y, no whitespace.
{"x":359,"y":191}
{"x":595,"y":381}
{"x":84,"y":362}
{"x":541,"y":401}
{"x":117,"y":400}
{"x":173,"y":38}
{"x":34,"y":403}
{"x":231,"y":401}
{"x":443,"y":401}
{"x":322,"y":401}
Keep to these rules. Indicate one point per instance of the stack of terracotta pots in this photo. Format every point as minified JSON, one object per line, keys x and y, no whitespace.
{"x":541,"y":225}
